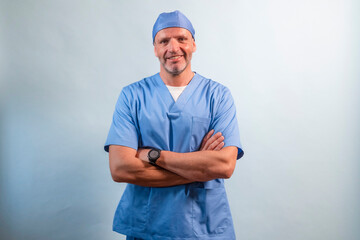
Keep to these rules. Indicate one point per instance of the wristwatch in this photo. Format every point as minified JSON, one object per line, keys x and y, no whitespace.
{"x":153,"y":156}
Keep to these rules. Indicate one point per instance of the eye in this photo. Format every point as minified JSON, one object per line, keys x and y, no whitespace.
{"x":164,"y":41}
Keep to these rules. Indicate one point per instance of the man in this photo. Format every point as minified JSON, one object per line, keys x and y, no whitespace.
{"x":162,"y":143}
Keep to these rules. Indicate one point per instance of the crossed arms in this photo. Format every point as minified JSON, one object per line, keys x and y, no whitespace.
{"x":210,"y":162}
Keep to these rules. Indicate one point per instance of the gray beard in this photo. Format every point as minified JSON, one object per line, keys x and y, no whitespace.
{"x":175,"y":71}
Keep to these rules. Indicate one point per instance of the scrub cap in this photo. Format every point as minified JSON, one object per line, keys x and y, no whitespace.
{"x":172,"y":19}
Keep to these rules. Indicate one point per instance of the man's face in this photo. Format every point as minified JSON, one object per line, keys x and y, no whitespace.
{"x":174,"y":48}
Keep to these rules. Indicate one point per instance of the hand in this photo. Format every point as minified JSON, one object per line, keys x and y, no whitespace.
{"x":212,"y":142}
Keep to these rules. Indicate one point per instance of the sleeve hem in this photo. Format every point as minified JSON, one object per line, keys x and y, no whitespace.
{"x":240,"y":153}
{"x":130,"y":145}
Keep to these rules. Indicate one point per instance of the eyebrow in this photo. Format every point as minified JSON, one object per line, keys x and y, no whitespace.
{"x":177,"y":36}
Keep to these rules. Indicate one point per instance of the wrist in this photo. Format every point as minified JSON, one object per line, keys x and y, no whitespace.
{"x":164,"y":157}
{"x":153,"y":155}
{"x":142,"y":154}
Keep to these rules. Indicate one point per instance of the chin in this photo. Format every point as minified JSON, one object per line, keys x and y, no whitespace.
{"x":175,"y":70}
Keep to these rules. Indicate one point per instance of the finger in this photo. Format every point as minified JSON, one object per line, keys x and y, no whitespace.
{"x":210,"y":143}
{"x":213,"y":145}
{"x":214,"y":138}
{"x":219,"y":146}
{"x":210,"y":140}
{"x":207,"y":136}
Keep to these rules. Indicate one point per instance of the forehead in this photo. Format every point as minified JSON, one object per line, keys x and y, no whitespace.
{"x":173,"y":32}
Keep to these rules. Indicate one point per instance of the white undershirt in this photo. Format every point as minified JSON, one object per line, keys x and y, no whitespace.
{"x":175,"y":91}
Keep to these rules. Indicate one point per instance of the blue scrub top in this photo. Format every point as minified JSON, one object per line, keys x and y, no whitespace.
{"x":147,"y":115}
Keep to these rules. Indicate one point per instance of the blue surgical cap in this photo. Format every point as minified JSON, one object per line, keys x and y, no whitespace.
{"x":172,"y":19}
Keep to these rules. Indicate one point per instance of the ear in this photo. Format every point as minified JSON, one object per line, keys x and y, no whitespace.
{"x":194,"y":46}
{"x":156,"y":55}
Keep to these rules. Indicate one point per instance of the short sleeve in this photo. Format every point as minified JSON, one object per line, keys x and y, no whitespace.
{"x":225,"y":121}
{"x":123,"y":130}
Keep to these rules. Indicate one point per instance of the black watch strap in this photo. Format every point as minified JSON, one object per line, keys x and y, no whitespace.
{"x":153,"y":156}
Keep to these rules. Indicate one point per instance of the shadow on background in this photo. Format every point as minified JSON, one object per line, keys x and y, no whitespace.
{"x":5,"y":226}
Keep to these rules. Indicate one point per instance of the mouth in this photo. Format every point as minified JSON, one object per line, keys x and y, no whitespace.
{"x":174,"y":58}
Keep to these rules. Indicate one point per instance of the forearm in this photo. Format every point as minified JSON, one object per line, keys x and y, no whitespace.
{"x":201,"y":165}
{"x":138,"y":172}
{"x":149,"y":176}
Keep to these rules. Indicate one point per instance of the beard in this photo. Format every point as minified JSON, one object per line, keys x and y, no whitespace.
{"x":175,"y":69}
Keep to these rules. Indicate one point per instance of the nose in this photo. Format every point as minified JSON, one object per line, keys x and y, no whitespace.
{"x":173,"y":45}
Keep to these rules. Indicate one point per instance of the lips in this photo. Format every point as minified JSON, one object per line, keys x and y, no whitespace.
{"x":174,"y":58}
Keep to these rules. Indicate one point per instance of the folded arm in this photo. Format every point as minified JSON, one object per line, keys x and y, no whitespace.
{"x":198,"y":166}
{"x":125,"y":166}
{"x":131,"y":166}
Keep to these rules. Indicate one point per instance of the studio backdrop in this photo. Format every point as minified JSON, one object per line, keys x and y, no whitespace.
{"x":292,"y":68}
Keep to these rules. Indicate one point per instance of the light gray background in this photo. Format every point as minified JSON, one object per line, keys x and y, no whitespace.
{"x":292,"y":67}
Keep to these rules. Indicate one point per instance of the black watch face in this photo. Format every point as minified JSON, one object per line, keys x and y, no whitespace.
{"x":153,"y":154}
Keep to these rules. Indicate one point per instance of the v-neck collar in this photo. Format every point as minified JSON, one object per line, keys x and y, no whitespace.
{"x":183,"y":98}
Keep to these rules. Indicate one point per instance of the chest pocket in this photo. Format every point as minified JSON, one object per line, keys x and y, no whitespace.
{"x":199,"y":128}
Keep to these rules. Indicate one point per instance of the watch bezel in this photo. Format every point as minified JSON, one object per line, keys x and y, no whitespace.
{"x":152,"y":160}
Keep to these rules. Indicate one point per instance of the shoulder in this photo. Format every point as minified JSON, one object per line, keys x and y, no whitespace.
{"x":140,"y":88}
{"x":214,"y":88}
{"x":140,"y":85}
{"x":136,"y":90}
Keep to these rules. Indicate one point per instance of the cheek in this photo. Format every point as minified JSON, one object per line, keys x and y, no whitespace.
{"x":156,"y":53}
{"x":188,"y":49}
{"x":160,"y":53}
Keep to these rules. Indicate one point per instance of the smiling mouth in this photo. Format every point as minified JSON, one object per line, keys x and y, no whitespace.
{"x":174,"y":57}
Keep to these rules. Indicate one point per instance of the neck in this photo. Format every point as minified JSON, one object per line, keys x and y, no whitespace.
{"x":179,"y":80}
